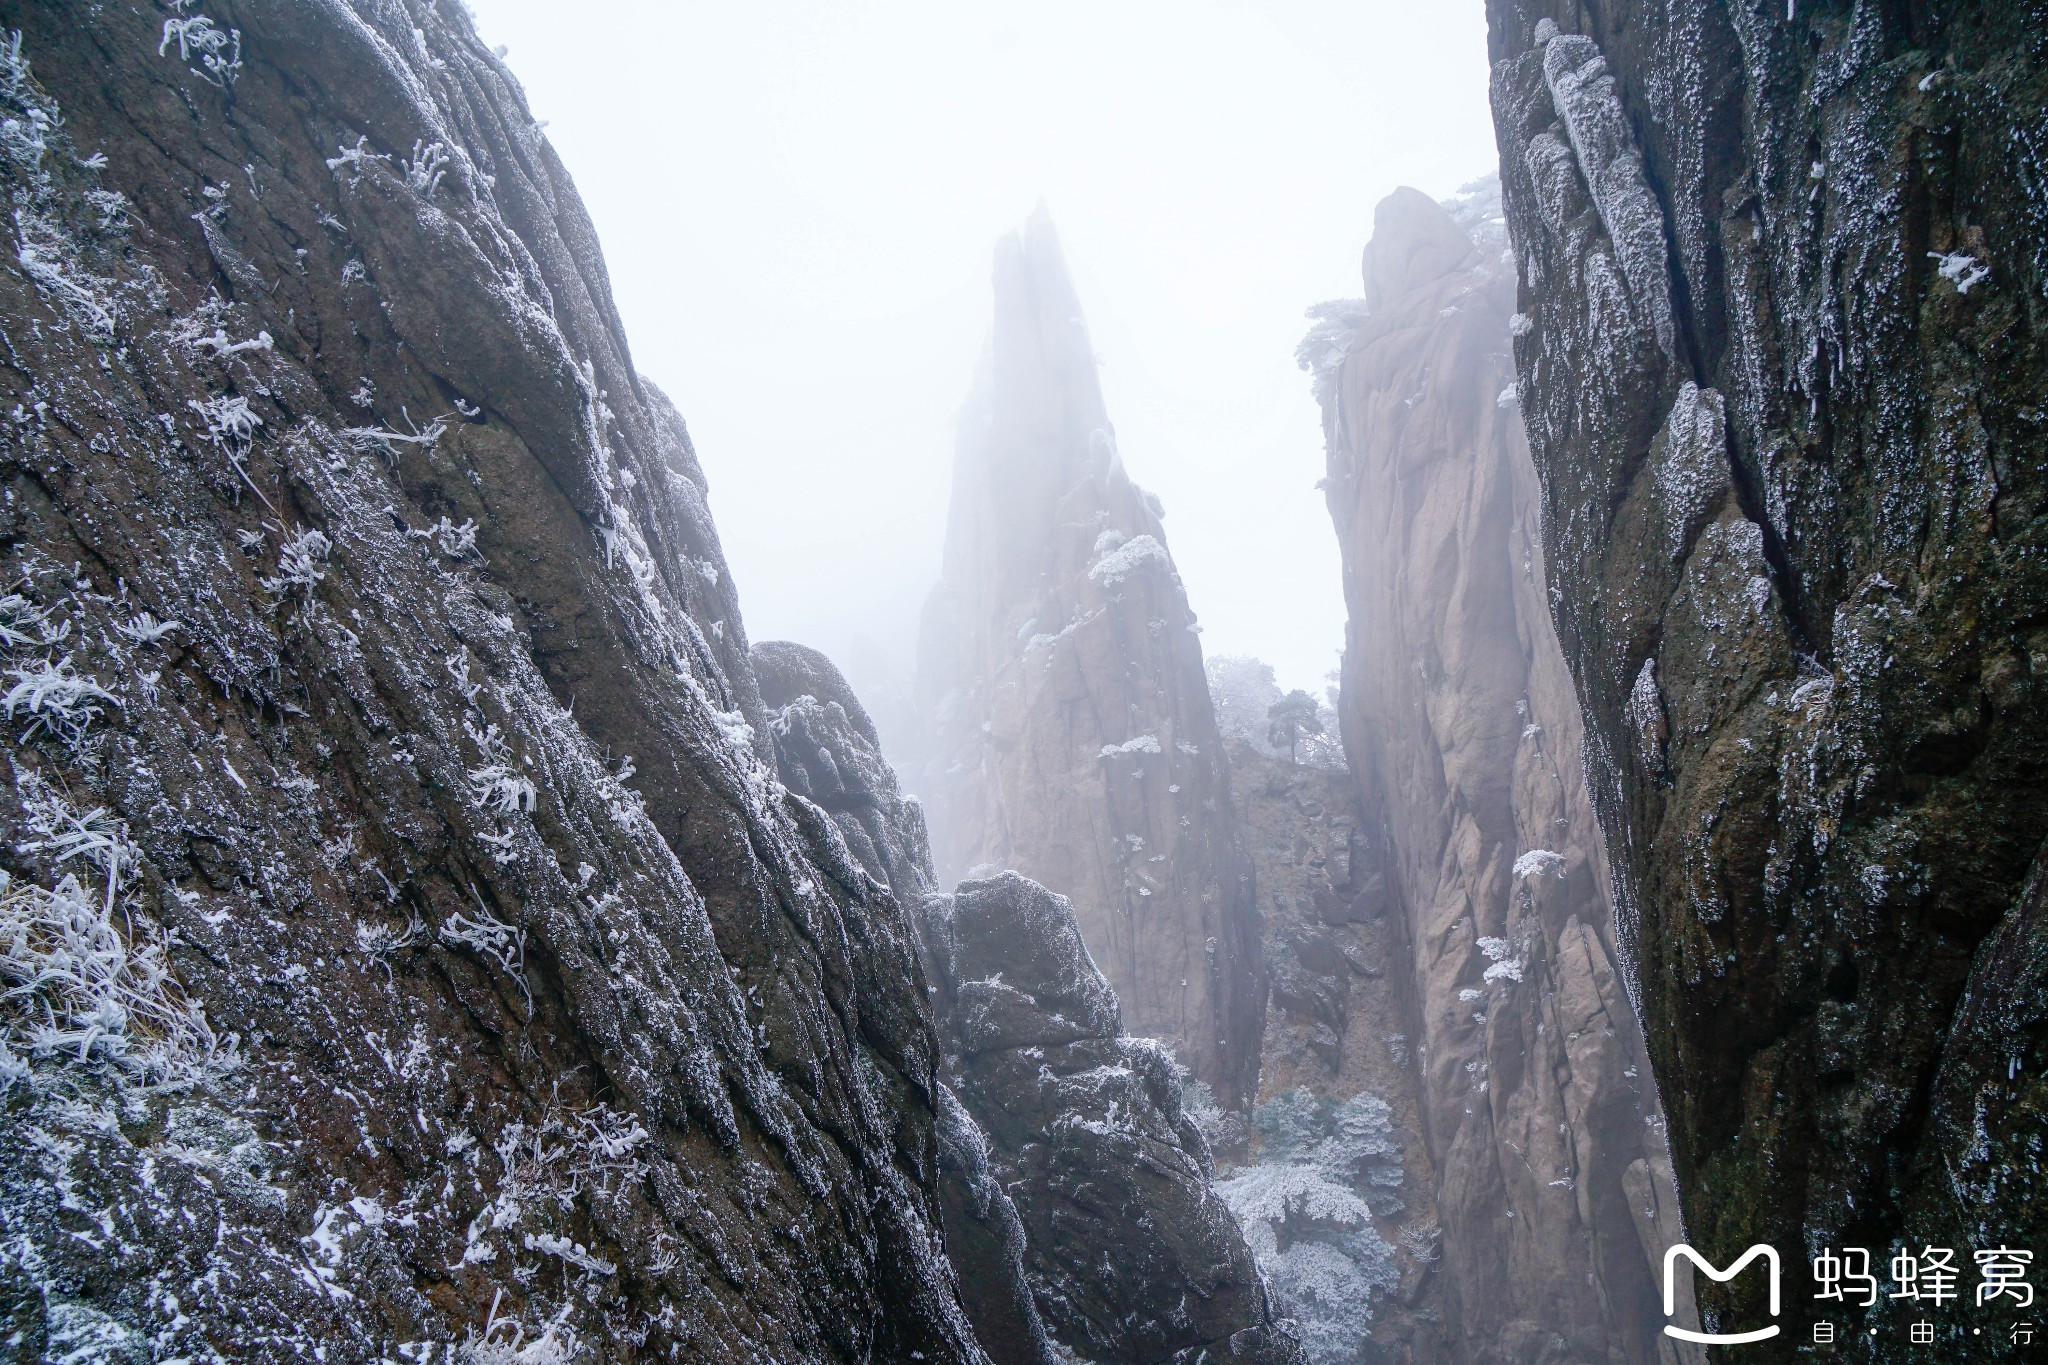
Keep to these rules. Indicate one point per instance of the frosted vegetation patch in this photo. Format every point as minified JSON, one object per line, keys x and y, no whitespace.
{"x":1248,"y":700}
{"x":1476,"y":209}
{"x":1133,"y":556}
{"x":1323,"y":1169}
{"x":86,"y":989}
{"x":1332,"y":326}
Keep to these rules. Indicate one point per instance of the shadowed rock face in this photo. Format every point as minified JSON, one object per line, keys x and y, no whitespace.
{"x":1073,"y":734}
{"x":1077,"y":1195}
{"x":1459,"y":719}
{"x":1132,"y":1255}
{"x":439,"y":1020}
{"x":1781,"y":282}
{"x":829,"y":753}
{"x":1340,"y":1025}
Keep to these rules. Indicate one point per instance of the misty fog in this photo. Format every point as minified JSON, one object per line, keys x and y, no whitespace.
{"x":798,"y":204}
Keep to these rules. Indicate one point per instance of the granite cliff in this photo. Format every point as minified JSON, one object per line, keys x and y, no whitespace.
{"x":1078,"y":1194}
{"x":1779,"y":344}
{"x":409,"y":951}
{"x":1071,"y":729}
{"x":1474,"y":861}
{"x":1332,"y":1170}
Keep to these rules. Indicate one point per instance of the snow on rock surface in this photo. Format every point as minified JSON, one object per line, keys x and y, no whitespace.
{"x":1013,"y":979}
{"x":1131,"y":1253}
{"x":1476,"y":865}
{"x":1796,"y":557}
{"x":1061,"y":681}
{"x":364,"y":1000}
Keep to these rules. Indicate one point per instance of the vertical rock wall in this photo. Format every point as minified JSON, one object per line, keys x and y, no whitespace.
{"x":1781,"y":310}
{"x":1461,"y":725}
{"x":1078,"y":1195}
{"x":363,"y":997}
{"x":1073,"y":735}
{"x":1338,"y":1119}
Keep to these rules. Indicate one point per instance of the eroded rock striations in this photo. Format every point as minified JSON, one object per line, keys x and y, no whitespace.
{"x":363,"y":995}
{"x":829,"y":753}
{"x":1551,"y":1185}
{"x":1780,"y":351}
{"x":1059,"y":666}
{"x":1334,"y":1179}
{"x":1131,"y":1253}
{"x":1078,"y":1195}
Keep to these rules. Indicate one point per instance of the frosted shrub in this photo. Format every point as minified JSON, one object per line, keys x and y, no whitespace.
{"x":386,"y":442}
{"x":457,"y":542}
{"x":381,"y":942}
{"x":302,"y":563}
{"x":144,"y":629}
{"x":219,"y":50}
{"x":23,"y":623}
{"x":81,"y":992}
{"x":1223,"y":1129}
{"x":502,"y":791}
{"x":492,"y":938}
{"x":1243,"y":689}
{"x":503,"y":1342}
{"x":231,"y":426}
{"x":428,"y":164}
{"x":1327,"y":1288}
{"x":1308,"y":1221}
{"x":43,"y":254}
{"x":1333,"y":326}
{"x":57,"y":701}
{"x":227,"y":419}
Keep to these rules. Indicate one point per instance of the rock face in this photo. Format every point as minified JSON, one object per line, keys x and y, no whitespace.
{"x":1780,"y":348}
{"x":1077,"y":1193}
{"x":829,"y":753}
{"x":1132,"y":1254}
{"x":1073,"y":735}
{"x":1460,"y":721}
{"x":1336,"y":1186}
{"x":362,"y":994}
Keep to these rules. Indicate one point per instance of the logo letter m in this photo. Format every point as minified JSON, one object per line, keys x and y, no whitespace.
{"x":1769,"y":1255}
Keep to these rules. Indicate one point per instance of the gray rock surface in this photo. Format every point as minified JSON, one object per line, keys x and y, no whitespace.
{"x":1133,"y":1256}
{"x":1459,"y":719}
{"x":1781,"y":274}
{"x":829,"y":753}
{"x":363,"y":995}
{"x":1077,"y":1195}
{"x":1072,"y":734}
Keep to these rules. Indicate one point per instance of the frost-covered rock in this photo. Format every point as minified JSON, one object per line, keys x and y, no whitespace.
{"x":1130,"y":1251}
{"x":1061,"y":676}
{"x":362,"y":999}
{"x":1793,"y":534}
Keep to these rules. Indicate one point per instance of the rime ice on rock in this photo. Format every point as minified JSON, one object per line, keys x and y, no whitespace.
{"x":1792,"y":578}
{"x":361,"y":999}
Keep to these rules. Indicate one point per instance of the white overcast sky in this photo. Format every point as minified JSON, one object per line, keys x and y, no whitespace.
{"x":799,"y":200}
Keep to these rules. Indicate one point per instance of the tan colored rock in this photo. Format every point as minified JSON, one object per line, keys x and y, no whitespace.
{"x":1062,"y":679}
{"x":1338,"y":1025}
{"x":1460,"y":720}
